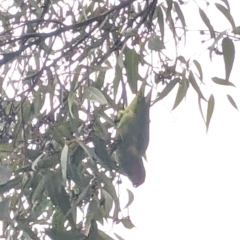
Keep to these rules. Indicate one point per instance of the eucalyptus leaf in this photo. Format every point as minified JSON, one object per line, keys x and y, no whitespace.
{"x":207,"y":22}
{"x":127,"y":223}
{"x":154,"y":43}
{"x":228,"y":55}
{"x":211,"y":104}
{"x":5,"y":174}
{"x":64,"y":162}
{"x":221,"y":81}
{"x":94,"y":94}
{"x":182,"y":90}
{"x":226,"y":13}
{"x":193,"y":82}
{"x":230,"y":99}
{"x":130,"y":198}
{"x":131,"y":64}
{"x":199,"y":68}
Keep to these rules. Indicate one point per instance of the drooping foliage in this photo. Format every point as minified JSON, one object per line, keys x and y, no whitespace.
{"x":66,"y":70}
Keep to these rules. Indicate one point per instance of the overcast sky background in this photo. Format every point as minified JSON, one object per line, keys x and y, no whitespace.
{"x":192,"y":188}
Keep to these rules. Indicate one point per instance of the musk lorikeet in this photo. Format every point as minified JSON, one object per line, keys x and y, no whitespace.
{"x":133,"y":134}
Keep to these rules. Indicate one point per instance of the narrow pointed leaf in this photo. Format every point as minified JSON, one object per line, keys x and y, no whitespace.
{"x":211,"y":103}
{"x":117,"y":78}
{"x":200,"y":108}
{"x":64,"y":161}
{"x":207,"y":22}
{"x":119,"y":237}
{"x":38,"y":191}
{"x":182,"y":90}
{"x":103,"y":236}
{"x":227,"y":4}
{"x":232,"y":101}
{"x":193,"y":82}
{"x":35,"y":162}
{"x":199,"y":68}
{"x":168,"y":88}
{"x":5,"y":174}
{"x":226,"y":13}
{"x":131,"y":64}
{"x":94,"y":94}
{"x":169,"y":8}
{"x":228,"y":55}
{"x":130,"y":198}
{"x":181,"y":16}
{"x":160,"y":22}
{"x":108,"y":203}
{"x":4,"y":210}
{"x":71,"y":99}
{"x":222,"y":81}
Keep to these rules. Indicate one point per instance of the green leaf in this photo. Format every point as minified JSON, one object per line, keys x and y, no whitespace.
{"x":232,"y":101}
{"x":117,"y":78}
{"x":108,"y":203}
{"x":38,"y":103}
{"x":89,"y":151}
{"x":100,"y":68}
{"x":13,"y":183}
{"x":76,"y":75}
{"x":64,"y":162}
{"x":168,"y":88}
{"x":199,"y":68}
{"x":130,"y":198}
{"x":71,"y":98}
{"x":193,"y":82}
{"x":222,"y":81}
{"x":227,"y":4}
{"x":108,"y":186}
{"x":35,"y":162}
{"x":127,"y":223}
{"x":101,"y":150}
{"x":62,"y":130}
{"x":131,"y":64}
{"x":38,"y":191}
{"x":226,"y":13}
{"x":181,"y":16}
{"x":182,"y":90}
{"x":5,"y":211}
{"x":169,"y":8}
{"x":160,"y":22}
{"x":120,"y":60}
{"x":58,"y":220}
{"x":26,"y":111}
{"x":207,"y":22}
{"x":103,"y":236}
{"x":154,"y":43}
{"x":236,"y":30}
{"x":94,"y":94}
{"x":5,"y":174}
{"x":228,"y":55}
{"x":200,"y":108}
{"x":119,"y":237}
{"x":211,"y":103}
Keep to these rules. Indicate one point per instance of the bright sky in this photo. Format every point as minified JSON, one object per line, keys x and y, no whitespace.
{"x":192,"y":189}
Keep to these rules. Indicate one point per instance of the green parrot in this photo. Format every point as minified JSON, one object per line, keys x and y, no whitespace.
{"x":133,"y":135}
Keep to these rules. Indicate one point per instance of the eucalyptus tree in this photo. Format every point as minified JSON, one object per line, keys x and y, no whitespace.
{"x":68,"y":69}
